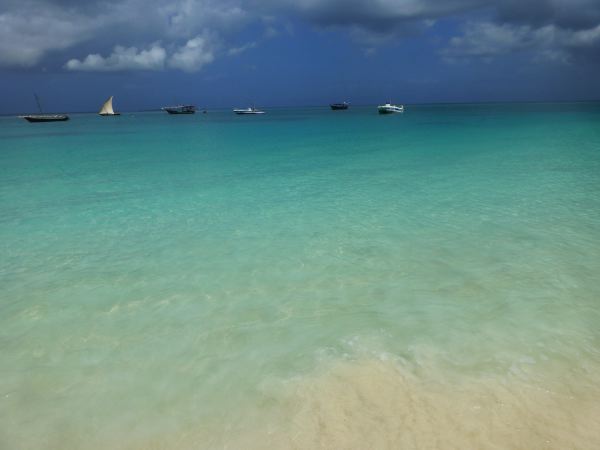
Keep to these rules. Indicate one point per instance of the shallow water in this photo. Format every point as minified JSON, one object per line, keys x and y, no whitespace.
{"x":302,"y":279}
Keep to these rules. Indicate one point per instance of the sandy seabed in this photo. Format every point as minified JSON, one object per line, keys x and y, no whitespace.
{"x":374,"y":404}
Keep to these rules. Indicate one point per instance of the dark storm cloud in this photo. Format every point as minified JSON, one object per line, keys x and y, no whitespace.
{"x":378,"y":14}
{"x":188,"y":31}
{"x":568,"y":14}
{"x":559,"y":30}
{"x":188,"y":34}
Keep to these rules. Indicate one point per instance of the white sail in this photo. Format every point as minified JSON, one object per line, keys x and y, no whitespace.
{"x":107,"y":109}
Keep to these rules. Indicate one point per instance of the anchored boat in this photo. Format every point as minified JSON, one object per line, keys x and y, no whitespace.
{"x":41,"y":117}
{"x":248,"y":111}
{"x":388,"y":108}
{"x":180,"y":109}
{"x":339,"y":106}
{"x":107,"y":108}
{"x":46,"y":118}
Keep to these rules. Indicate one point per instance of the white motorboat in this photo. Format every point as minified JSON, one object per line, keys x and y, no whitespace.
{"x":248,"y":111}
{"x":388,"y":108}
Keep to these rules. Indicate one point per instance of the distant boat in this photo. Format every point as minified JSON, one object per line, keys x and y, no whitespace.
{"x":339,"y":106}
{"x":107,"y":108}
{"x":46,"y":118}
{"x":41,"y":117}
{"x":388,"y":108}
{"x":180,"y":109}
{"x":248,"y":111}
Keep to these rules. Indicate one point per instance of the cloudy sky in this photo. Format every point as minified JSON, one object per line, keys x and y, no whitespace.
{"x":221,"y":53}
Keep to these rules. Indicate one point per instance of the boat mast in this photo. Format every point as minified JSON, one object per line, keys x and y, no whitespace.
{"x":37,"y":100}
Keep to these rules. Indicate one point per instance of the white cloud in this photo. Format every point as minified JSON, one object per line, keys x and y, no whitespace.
{"x":32,"y":29}
{"x":195,"y":54}
{"x":190,"y":57}
{"x":584,"y":38}
{"x":270,"y":32}
{"x":122,"y":59}
{"x":189,"y":18}
{"x":487,"y":40}
{"x":237,"y":50}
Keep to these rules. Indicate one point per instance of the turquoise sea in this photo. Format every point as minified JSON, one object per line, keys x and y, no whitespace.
{"x":303,"y":279}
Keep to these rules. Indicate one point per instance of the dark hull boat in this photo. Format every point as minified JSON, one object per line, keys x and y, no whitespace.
{"x":41,"y":117}
{"x":339,"y":106}
{"x":180,"y":109}
{"x":46,"y":118}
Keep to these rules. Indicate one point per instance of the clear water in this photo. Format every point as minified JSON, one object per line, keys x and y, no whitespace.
{"x":302,"y":279}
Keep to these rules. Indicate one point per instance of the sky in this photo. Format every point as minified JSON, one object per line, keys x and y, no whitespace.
{"x":232,"y":53}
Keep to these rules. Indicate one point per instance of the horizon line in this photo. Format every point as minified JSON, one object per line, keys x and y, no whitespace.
{"x":224,"y":108}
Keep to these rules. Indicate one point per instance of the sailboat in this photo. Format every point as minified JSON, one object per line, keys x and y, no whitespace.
{"x":107,"y":108}
{"x":41,"y":117}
